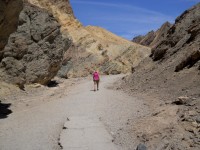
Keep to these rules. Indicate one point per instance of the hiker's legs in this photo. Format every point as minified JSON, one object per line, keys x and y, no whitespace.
{"x":98,"y":85}
{"x":94,"y":85}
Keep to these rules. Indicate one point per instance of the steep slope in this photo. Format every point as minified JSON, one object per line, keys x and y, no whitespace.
{"x":34,"y":51}
{"x":153,"y":38}
{"x":94,"y":47}
{"x":172,"y":75}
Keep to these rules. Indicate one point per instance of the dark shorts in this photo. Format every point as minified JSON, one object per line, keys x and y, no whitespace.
{"x":96,"y":81}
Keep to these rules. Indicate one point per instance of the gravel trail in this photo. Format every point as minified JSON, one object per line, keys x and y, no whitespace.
{"x":83,"y":119}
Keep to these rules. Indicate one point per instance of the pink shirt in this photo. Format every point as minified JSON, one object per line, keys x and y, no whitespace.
{"x":95,"y":76}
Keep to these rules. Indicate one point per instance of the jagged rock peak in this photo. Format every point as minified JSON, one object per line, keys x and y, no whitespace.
{"x":152,"y":38}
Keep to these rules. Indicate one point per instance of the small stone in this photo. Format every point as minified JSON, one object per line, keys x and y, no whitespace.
{"x":181,"y":100}
{"x":190,"y":129}
{"x":195,"y":124}
{"x":192,"y":113}
{"x":191,"y":144}
{"x":64,"y":128}
{"x":36,"y":85}
{"x":52,"y":94}
{"x":141,"y":147}
{"x":156,"y":136}
{"x":155,"y":114}
{"x":198,"y":119}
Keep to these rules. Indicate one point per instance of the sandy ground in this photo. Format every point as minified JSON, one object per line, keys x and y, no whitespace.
{"x":40,"y":114}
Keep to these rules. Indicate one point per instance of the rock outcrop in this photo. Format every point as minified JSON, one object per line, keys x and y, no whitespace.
{"x":161,"y":34}
{"x":146,"y":39}
{"x":153,"y":38}
{"x":183,"y":35}
{"x":34,"y":52}
{"x":93,"y":47}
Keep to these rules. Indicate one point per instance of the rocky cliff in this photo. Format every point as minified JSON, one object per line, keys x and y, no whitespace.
{"x":153,"y":38}
{"x":34,"y":51}
{"x":93,"y":47}
{"x":172,"y":75}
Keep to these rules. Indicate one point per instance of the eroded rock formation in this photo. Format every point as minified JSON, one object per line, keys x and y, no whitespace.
{"x":34,"y":52}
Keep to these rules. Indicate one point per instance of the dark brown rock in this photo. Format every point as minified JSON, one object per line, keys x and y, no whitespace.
{"x":35,"y":51}
{"x":183,"y":34}
{"x":188,"y":61}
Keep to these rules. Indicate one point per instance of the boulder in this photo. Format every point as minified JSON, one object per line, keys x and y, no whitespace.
{"x":115,"y":72}
{"x":181,"y":100}
{"x":141,"y":147}
{"x":35,"y":51}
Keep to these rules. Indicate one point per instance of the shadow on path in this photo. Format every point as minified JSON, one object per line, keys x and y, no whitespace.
{"x":4,"y":110}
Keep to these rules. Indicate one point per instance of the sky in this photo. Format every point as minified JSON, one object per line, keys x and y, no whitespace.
{"x":129,"y":18}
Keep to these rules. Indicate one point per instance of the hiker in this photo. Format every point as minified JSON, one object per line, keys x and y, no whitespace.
{"x":96,"y":80}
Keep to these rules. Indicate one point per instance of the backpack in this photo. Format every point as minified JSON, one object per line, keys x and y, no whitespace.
{"x":95,"y":76}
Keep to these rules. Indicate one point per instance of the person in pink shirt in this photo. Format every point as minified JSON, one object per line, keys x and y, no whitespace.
{"x":96,"y":79}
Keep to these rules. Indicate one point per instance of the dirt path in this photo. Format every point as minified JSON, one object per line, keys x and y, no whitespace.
{"x":83,"y":119}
